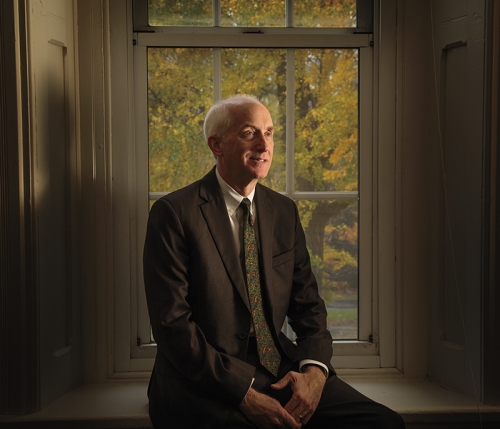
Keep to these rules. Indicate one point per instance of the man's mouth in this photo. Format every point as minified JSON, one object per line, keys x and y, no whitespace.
{"x":258,"y":159}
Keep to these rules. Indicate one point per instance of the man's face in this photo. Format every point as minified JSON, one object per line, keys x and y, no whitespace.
{"x":247,"y":148}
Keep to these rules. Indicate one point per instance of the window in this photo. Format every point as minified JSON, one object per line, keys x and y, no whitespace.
{"x":311,"y":64}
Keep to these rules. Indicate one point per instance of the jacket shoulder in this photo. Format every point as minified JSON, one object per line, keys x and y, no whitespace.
{"x":204,"y":188}
{"x":276,"y":198}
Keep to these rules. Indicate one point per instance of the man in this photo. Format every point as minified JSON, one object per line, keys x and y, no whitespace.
{"x":225,"y":262}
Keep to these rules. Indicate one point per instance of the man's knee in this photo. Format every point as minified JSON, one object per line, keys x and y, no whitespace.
{"x":388,"y":419}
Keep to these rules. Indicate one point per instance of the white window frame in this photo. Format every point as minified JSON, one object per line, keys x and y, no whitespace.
{"x":376,"y":301}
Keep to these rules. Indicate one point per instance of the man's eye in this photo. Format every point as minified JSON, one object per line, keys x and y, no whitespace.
{"x":248,"y":133}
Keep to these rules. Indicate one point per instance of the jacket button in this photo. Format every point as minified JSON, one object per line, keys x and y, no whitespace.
{"x":242,"y":335}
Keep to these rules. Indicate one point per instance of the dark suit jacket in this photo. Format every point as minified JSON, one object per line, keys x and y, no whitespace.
{"x":198,"y":303}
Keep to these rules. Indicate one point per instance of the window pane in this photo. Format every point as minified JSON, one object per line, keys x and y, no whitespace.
{"x":250,"y":13}
{"x":331,"y":229}
{"x":325,"y":13}
{"x":326,"y":120}
{"x":180,"y":92}
{"x":180,"y":12}
{"x":261,"y":73}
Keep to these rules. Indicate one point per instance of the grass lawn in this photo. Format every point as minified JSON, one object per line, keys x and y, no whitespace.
{"x":343,"y":323}
{"x":343,"y":316}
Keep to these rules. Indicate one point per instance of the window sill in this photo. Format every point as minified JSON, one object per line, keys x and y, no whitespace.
{"x":123,"y":404}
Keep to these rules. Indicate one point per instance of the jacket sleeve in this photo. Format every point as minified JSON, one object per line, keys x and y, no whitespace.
{"x":167,"y":281}
{"x":307,"y":311}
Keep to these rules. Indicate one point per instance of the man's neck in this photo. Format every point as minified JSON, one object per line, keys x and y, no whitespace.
{"x":243,"y":189}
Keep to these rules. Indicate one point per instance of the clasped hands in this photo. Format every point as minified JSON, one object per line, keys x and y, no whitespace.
{"x":267,"y":412}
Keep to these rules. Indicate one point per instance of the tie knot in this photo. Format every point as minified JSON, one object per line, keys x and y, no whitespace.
{"x":245,"y":205}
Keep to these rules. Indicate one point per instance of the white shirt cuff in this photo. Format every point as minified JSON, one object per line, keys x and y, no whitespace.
{"x":314,"y":362}
{"x":251,"y":384}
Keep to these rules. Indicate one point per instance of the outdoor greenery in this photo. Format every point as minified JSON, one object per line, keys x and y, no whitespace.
{"x":253,"y":13}
{"x":180,"y":92}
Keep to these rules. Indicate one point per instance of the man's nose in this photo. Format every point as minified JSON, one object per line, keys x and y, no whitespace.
{"x":263,"y":143}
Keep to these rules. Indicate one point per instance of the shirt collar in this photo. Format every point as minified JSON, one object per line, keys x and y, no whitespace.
{"x":231,"y":197}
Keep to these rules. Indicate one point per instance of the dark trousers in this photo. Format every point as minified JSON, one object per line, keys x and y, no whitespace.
{"x":340,"y":406}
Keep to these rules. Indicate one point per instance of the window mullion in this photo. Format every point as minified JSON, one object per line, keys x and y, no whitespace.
{"x":216,"y":18}
{"x":368,"y":301}
{"x":140,"y":319}
{"x":289,"y":13}
{"x":217,"y":74}
{"x":290,"y":120}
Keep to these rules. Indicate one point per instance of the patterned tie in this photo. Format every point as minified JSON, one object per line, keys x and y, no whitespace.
{"x":268,"y":354}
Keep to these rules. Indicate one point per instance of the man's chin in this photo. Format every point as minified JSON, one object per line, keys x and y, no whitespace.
{"x":260,"y":174}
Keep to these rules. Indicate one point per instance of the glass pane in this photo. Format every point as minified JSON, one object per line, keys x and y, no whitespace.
{"x":331,"y":229}
{"x":326,"y":120}
{"x":180,"y":92}
{"x":180,"y":12}
{"x":261,"y":73}
{"x":250,"y":13}
{"x":324,"y":13}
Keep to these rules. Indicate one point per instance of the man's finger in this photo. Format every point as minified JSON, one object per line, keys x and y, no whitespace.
{"x":291,"y":423}
{"x":292,"y":405}
{"x":285,"y":381}
{"x":305,"y":418}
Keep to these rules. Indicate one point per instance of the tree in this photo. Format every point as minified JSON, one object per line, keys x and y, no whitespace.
{"x":180,"y":91}
{"x":326,"y":141}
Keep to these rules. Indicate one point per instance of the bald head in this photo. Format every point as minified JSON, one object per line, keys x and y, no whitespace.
{"x":221,"y":115}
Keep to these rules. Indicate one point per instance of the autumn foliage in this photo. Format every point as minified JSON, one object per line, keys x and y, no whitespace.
{"x":325,"y":136}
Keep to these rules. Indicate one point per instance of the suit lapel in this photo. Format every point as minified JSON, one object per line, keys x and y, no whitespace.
{"x":215,"y":213}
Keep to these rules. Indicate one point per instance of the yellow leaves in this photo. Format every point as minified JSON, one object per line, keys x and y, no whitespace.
{"x":345,"y":150}
{"x":348,"y":234}
{"x":252,"y":13}
{"x":334,"y":175}
{"x":306,"y":209}
{"x":326,"y":117}
{"x":308,"y":13}
{"x":325,"y":13}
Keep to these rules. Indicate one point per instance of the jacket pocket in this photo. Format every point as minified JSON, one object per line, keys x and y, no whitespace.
{"x":283,"y":257}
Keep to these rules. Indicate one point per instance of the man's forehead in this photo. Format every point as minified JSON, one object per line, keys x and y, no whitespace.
{"x":256,"y":126}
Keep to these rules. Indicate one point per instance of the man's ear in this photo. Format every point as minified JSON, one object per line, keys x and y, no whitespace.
{"x":214,"y":145}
